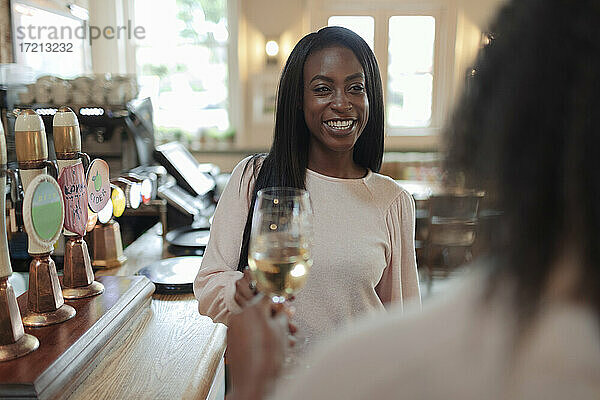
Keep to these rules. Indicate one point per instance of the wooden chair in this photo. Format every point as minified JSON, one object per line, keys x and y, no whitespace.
{"x":450,"y":231}
{"x":421,"y":228}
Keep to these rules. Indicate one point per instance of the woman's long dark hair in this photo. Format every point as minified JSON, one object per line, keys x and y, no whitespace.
{"x":528,"y":131}
{"x":286,"y":163}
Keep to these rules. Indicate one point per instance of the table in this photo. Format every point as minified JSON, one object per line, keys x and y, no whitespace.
{"x":170,"y":352}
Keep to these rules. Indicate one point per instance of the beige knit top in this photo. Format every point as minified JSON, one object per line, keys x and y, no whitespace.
{"x":363,"y":251}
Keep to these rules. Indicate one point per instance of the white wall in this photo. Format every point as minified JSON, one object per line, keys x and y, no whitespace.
{"x":261,"y":20}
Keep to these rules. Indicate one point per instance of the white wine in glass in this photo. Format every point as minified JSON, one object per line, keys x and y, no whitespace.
{"x":279,"y":254}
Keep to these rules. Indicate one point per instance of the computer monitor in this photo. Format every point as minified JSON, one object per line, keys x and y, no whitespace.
{"x":180,"y":163}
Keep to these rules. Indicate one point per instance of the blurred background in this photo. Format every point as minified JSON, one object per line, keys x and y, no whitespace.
{"x":210,"y":67}
{"x":174,"y":93}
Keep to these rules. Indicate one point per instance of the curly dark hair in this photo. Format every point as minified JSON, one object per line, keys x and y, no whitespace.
{"x":527,"y":130}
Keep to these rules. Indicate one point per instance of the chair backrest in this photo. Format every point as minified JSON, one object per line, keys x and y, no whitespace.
{"x":463,"y":205}
{"x":453,"y":218}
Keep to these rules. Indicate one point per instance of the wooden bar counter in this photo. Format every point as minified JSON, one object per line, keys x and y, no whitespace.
{"x":171,"y":352}
{"x":162,"y":348}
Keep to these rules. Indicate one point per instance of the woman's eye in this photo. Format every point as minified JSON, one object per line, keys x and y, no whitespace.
{"x":357,"y":88}
{"x":321,"y":89}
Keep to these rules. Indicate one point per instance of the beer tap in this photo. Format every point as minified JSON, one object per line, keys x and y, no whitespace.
{"x":43,"y":215}
{"x":106,"y":236}
{"x":14,"y":342}
{"x":78,"y":280}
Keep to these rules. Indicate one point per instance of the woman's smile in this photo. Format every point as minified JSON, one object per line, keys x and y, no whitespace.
{"x":341,"y":127}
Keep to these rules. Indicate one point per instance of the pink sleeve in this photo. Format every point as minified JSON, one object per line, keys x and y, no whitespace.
{"x":214,"y":286}
{"x":400,"y":282}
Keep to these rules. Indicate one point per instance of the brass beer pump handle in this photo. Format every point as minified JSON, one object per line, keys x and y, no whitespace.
{"x":16,"y":196}
{"x":78,"y":275}
{"x":85,"y":159}
{"x":52,"y":168}
{"x":16,"y":192}
{"x":14,"y":342}
{"x":45,"y":300}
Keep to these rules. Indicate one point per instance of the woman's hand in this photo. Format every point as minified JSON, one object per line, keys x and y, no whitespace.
{"x":256,"y":343}
{"x":289,"y":312}
{"x":243,"y":290}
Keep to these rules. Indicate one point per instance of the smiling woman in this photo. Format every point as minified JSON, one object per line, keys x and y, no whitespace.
{"x":336,"y":110}
{"x":328,"y":140}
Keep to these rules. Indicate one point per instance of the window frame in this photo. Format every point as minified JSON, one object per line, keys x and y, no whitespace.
{"x":443,"y":69}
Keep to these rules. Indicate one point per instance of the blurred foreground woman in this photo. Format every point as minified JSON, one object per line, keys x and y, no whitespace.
{"x":524,"y":324}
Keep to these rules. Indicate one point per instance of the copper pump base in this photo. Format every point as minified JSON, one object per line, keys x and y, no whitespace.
{"x":45,"y":302}
{"x":107,"y":245}
{"x":93,"y":289}
{"x":78,"y":279}
{"x":14,"y":342}
{"x":62,"y":314}
{"x":21,"y":347}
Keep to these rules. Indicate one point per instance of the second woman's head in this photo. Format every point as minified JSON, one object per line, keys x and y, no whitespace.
{"x":330,"y":93}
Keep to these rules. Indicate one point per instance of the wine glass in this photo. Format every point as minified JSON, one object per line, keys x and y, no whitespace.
{"x":281,"y":237}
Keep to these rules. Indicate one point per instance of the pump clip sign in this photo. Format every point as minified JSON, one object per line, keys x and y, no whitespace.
{"x":98,"y":185}
{"x":75,"y":195}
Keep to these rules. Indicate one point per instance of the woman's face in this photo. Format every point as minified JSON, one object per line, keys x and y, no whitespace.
{"x":336,"y":108}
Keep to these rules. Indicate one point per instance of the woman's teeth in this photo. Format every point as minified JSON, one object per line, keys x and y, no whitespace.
{"x":340,"y":124}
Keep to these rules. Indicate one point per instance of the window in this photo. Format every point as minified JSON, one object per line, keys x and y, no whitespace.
{"x":414,"y":49}
{"x":54,"y":27}
{"x":182,"y":65}
{"x":410,"y":71}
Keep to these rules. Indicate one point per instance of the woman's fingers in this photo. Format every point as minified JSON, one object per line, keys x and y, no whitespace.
{"x":276,"y":314}
{"x":292,"y":340}
{"x":251,"y":282}
{"x":278,"y":329}
{"x":284,"y":309}
{"x":292,"y":328}
{"x":243,"y":291}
